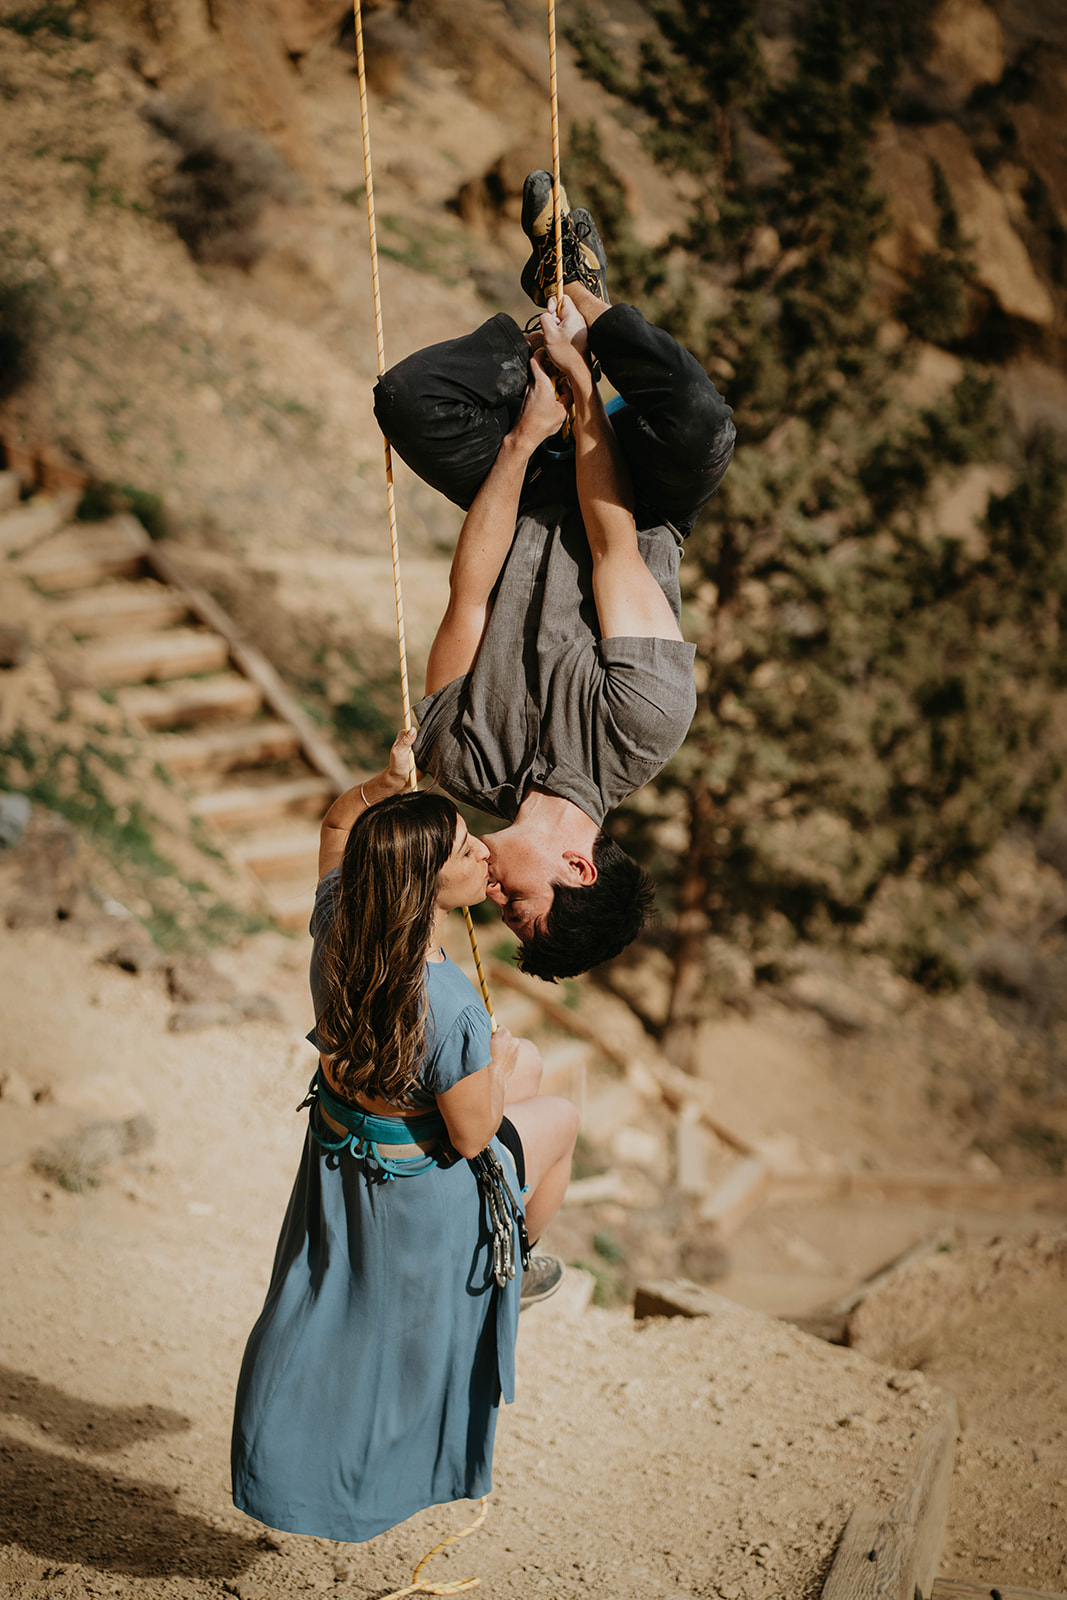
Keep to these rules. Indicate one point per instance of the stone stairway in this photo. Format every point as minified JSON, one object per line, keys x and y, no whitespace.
{"x":209,"y":705}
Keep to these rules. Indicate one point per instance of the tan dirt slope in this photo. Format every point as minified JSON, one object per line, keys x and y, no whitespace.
{"x":700,"y":1458}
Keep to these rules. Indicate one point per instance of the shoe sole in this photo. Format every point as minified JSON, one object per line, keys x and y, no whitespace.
{"x":544,"y":222}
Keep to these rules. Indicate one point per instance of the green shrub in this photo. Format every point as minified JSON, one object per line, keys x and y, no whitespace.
{"x":20,"y":334}
{"x":102,"y":500}
{"x":214,"y":196}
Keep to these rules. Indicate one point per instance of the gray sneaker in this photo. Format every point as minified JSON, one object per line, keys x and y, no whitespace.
{"x":542,"y":1278}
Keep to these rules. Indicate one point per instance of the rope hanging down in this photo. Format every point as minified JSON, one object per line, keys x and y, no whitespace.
{"x":394,"y":542}
{"x":417,"y":1586}
{"x":557,"y":202}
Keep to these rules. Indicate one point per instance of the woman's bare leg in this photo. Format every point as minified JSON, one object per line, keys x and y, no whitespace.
{"x":548,"y":1127}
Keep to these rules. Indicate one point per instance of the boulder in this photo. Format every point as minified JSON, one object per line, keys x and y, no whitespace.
{"x":1000,"y":262}
{"x":968,"y":49}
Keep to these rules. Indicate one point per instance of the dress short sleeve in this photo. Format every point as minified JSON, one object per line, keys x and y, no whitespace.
{"x":464,"y":1049}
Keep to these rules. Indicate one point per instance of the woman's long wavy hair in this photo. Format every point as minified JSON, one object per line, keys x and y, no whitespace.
{"x":373,"y":957}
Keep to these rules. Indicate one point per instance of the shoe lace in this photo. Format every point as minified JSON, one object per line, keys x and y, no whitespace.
{"x":573,"y":236}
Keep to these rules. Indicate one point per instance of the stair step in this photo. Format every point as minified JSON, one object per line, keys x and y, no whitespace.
{"x":27,"y":524}
{"x":291,"y":904}
{"x":259,"y":806}
{"x":273,"y":856}
{"x":147,"y":657}
{"x":135,"y":606}
{"x":86,"y":554}
{"x":180,"y":704}
{"x":222,"y":749}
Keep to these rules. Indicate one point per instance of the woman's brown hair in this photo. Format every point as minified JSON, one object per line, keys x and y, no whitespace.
{"x":373,"y":957}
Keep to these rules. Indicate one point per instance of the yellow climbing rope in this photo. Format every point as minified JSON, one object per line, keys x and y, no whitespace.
{"x":394,"y":542}
{"x":418,"y":1587}
{"x":557,"y":202}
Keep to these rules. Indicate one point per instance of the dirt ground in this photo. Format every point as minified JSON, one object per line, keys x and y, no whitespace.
{"x":718,"y":1457}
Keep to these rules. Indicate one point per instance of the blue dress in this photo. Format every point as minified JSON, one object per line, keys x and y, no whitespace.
{"x":371,"y":1382}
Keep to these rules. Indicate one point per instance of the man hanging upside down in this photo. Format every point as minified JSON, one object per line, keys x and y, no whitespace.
{"x":559,"y":681}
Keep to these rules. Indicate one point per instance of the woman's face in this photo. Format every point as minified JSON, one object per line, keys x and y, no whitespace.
{"x":462,"y":879}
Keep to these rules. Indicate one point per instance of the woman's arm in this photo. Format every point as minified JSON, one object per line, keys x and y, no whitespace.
{"x":337,"y":823}
{"x":473,"y":1107}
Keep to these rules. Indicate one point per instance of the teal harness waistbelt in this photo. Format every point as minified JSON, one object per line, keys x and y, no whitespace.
{"x":367,"y":1132}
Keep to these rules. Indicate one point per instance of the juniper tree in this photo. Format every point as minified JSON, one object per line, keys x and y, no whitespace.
{"x":871,"y":698}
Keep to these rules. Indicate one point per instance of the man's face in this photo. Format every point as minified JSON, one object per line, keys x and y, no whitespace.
{"x":520,"y":881}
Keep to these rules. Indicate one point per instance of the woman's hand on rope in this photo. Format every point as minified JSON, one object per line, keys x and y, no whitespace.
{"x":504,"y":1052}
{"x":337,"y":823}
{"x":398,"y":773}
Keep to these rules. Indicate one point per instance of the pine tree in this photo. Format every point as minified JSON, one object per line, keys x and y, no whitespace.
{"x":871,"y":696}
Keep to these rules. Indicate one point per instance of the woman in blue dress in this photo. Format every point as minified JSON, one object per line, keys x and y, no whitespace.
{"x":371,"y":1382}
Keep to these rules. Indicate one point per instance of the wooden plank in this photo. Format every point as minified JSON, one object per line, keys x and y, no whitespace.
{"x":135,"y":606}
{"x":743,"y":1189}
{"x":939,"y":1189}
{"x":149,"y":657}
{"x":223,"y":749}
{"x":926,"y":1506}
{"x":253,"y":663}
{"x":893,"y":1553}
{"x":678,"y":1297}
{"x":690,"y":1152}
{"x":261,"y":805}
{"x":871,"y":1560}
{"x":290,"y":905}
{"x":950,"y":1589}
{"x":289,"y":855}
{"x":27,"y":525}
{"x":830,"y":1321}
{"x":181,"y":704}
{"x":85,"y":554}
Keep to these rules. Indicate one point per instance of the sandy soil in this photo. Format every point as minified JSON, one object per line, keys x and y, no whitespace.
{"x":712,"y":1458}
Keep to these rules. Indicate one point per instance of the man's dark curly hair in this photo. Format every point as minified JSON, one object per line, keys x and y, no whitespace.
{"x":588,"y":924}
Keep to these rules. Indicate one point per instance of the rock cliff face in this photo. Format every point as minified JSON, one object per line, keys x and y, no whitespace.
{"x":249,"y":382}
{"x":984,"y":110}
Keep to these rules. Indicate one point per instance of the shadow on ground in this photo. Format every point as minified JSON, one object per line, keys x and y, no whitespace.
{"x":82,"y":1423}
{"x":62,"y":1508}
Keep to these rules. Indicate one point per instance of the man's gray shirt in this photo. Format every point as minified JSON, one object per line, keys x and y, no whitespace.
{"x":548,"y":702}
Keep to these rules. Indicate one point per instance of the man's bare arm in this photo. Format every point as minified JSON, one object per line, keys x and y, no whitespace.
{"x":629,"y":601}
{"x":486,"y":535}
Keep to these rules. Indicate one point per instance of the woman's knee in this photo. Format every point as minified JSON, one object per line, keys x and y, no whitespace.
{"x":567,"y":1118}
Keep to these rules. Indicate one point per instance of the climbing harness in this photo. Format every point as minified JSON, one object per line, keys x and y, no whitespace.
{"x":366,"y":1133}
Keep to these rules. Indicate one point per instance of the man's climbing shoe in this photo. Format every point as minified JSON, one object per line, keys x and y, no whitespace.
{"x":584,"y":260}
{"x":542,"y":1277}
{"x":538,"y":216}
